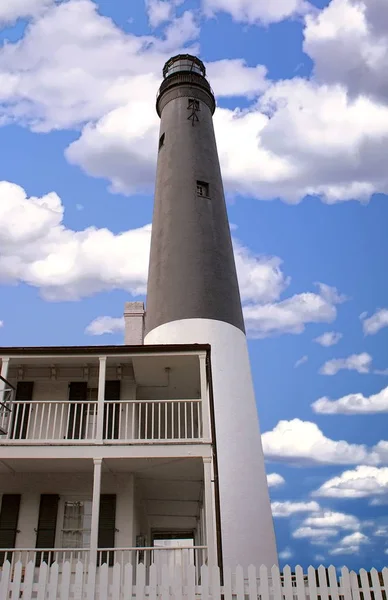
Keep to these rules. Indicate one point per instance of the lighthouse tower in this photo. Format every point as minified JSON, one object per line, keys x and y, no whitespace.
{"x":193,"y":297}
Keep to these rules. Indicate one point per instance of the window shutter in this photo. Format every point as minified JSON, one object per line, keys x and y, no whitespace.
{"x":112,"y":411}
{"x":24,"y":392}
{"x":77,"y":412}
{"x":9,"y":516}
{"x":47,"y":525}
{"x":107,"y":527}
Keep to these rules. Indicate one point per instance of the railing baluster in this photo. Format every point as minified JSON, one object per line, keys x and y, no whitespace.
{"x":41,"y":419}
{"x":192,"y":420}
{"x":33,"y":432}
{"x":48,"y":421}
{"x":146,"y":422}
{"x":139,"y":428}
{"x":159,"y":421}
{"x":153,"y":420}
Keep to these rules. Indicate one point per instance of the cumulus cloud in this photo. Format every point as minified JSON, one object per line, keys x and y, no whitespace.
{"x":160,"y":11}
{"x":301,"y":361}
{"x":275,"y":480}
{"x":286,"y":554}
{"x":330,"y":519}
{"x":356,"y":362}
{"x":377,"y":321}
{"x":1,"y":323}
{"x":102,"y":325}
{"x":329,"y":338}
{"x":36,"y":248}
{"x":11,"y":11}
{"x":292,"y":314}
{"x":348,"y":42}
{"x":353,"y":404}
{"x":286,"y":509}
{"x":257,"y":11}
{"x":105,"y":80}
{"x":318,"y":535}
{"x":300,"y":442}
{"x":362,"y":482}
{"x":350,"y":544}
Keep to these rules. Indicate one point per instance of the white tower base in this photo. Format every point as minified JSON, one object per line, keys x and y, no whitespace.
{"x":246,"y":519}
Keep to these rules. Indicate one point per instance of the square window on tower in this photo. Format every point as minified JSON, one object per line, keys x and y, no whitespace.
{"x":203,"y":189}
{"x":161,"y":140}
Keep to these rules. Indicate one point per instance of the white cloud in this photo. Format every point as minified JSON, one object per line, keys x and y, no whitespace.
{"x":353,"y":404}
{"x":257,"y":11}
{"x":386,"y":551}
{"x":381,"y":532}
{"x":275,"y":480}
{"x":160,"y":11}
{"x":348,"y":42}
{"x":302,"y":442}
{"x":1,"y":323}
{"x":11,"y":11}
{"x":301,"y":361}
{"x":286,"y":509}
{"x":102,"y":325}
{"x":376,"y":322}
{"x":356,"y":362}
{"x":286,"y":554}
{"x":319,"y":557}
{"x":103,"y":77}
{"x":329,"y":519}
{"x":319,"y":535}
{"x":36,"y":248}
{"x":362,"y":482}
{"x":329,"y":338}
{"x":350,"y":544}
{"x":291,"y":315}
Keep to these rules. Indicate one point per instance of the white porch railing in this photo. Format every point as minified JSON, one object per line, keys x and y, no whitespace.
{"x":125,"y":421}
{"x":118,"y":583}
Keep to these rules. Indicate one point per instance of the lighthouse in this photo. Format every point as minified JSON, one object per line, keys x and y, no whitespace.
{"x":193,"y":297}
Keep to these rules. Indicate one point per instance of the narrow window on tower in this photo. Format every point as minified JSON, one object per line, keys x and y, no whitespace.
{"x":203,"y":189}
{"x":193,"y":104}
{"x":161,"y":140}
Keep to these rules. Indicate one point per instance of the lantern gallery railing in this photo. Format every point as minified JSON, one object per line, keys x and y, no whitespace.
{"x":121,"y":421}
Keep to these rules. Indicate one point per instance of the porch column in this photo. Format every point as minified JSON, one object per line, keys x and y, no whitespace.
{"x":204,"y":398}
{"x":210,"y":515}
{"x":101,"y":398}
{"x":95,"y":509}
{"x":4,"y":373}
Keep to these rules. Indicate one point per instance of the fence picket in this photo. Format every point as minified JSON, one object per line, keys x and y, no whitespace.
{"x":322,"y":578}
{"x":300,"y":583}
{"x":287,"y":583}
{"x":333,"y":582}
{"x":42,"y":581}
{"x":365,"y":584}
{"x":177,"y":582}
{"x":127,"y":595}
{"x":204,"y":583}
{"x":191,"y":582}
{"x":53,"y":583}
{"x":227,"y":584}
{"x":376,"y":584}
{"x":312,"y":583}
{"x":346,"y":586}
{"x":252,"y":582}
{"x":240,"y":592}
{"x":5,"y":579}
{"x":78,"y":581}
{"x":165,"y":585}
{"x":276,"y":583}
{"x":116,"y":582}
{"x":215,"y":583}
{"x":140,"y":581}
{"x":152,"y":593}
{"x":17,"y":581}
{"x":385,"y":580}
{"x":65,"y":583}
{"x":264,"y":583}
{"x":355,"y":586}
{"x":103,"y":582}
{"x":28,"y":581}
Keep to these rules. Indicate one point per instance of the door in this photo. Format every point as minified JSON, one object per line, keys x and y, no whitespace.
{"x":77,"y":421}
{"x":21,"y":412}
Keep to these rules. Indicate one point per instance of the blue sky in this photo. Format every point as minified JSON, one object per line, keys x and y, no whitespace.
{"x":302,"y":130}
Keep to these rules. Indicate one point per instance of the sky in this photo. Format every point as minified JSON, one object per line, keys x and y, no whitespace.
{"x":302,"y":133}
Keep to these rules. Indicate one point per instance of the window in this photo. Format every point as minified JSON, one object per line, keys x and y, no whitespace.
{"x":203,"y":189}
{"x":161,"y":140}
{"x":77,"y":521}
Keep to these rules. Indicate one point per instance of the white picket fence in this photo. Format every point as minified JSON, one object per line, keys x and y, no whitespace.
{"x":64,"y":582}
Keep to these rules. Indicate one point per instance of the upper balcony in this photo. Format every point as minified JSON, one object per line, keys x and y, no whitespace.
{"x":104,"y":395}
